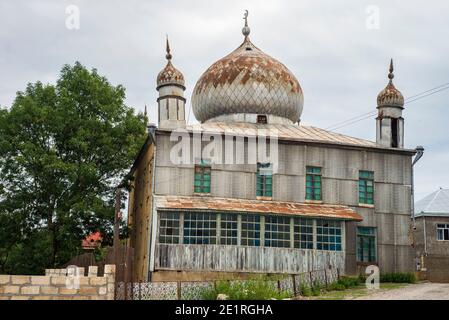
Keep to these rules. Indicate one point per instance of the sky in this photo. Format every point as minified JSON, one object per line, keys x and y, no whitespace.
{"x":338,"y":50}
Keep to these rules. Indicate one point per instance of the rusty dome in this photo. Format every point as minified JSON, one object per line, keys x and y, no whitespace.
{"x":170,"y":75}
{"x":247,"y":81}
{"x":390,"y":96}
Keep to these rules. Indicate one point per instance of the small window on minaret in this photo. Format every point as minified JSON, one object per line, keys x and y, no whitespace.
{"x":261,"y":118}
{"x":394,"y":133}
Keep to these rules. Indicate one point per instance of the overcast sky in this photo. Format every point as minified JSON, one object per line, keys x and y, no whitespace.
{"x":336,"y":49}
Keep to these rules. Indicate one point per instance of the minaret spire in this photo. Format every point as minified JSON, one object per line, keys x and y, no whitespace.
{"x":167,"y":48}
{"x":246,"y":30}
{"x":391,"y":74}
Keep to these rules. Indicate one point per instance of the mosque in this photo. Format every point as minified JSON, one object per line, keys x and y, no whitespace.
{"x":326,"y":200}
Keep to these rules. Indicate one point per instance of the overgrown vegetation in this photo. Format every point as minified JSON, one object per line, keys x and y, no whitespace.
{"x":398,"y":277}
{"x":266,"y":288}
{"x":254,"y":289}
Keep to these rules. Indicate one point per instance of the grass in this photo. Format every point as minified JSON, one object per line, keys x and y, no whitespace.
{"x":356,"y":292}
{"x":258,"y":289}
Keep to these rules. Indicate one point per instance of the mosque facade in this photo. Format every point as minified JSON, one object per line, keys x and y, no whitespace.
{"x":210,"y":199}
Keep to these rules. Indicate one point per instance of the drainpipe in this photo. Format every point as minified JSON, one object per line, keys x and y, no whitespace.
{"x":419,"y":153}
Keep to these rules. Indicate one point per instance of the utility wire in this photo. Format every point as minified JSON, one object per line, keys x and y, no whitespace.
{"x":408,"y":100}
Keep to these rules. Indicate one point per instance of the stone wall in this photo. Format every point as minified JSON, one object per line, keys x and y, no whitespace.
{"x":60,"y":284}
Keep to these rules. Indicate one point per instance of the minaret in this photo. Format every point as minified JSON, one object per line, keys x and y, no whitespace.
{"x":171,"y":101}
{"x":390,"y":124}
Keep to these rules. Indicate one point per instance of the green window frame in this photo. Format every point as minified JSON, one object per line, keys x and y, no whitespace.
{"x":366,"y":187}
{"x":313,"y":183}
{"x":264,"y":182}
{"x":366,"y":244}
{"x":202,"y":178}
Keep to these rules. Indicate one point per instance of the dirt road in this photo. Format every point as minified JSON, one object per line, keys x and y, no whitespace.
{"x":420,"y":291}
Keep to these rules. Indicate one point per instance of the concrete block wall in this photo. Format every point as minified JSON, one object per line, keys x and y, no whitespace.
{"x":60,"y":284}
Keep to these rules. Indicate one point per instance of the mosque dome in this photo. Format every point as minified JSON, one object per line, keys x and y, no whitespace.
{"x":170,"y":75}
{"x":390,"y":96}
{"x":247,"y":81}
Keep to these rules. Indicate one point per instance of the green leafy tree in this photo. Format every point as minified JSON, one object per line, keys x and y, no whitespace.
{"x":63,"y":150}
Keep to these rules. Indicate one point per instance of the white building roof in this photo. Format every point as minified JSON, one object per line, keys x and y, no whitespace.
{"x":435,"y":204}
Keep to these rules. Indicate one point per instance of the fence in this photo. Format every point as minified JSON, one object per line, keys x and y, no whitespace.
{"x":192,"y":290}
{"x":122,"y":259}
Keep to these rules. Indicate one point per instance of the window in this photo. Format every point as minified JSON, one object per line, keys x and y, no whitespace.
{"x":261,"y":118}
{"x":328,"y":234}
{"x":366,"y":187}
{"x":443,"y":232}
{"x":250,"y":230}
{"x":264,"y":180}
{"x":303,"y":233}
{"x":200,"y":228}
{"x":277,"y":231}
{"x":366,"y":244}
{"x":394,"y":133}
{"x":228,"y":229}
{"x":169,"y":227}
{"x":202,"y":178}
{"x":313,"y":183}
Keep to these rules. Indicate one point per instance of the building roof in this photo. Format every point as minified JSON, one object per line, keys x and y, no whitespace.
{"x":286,"y":132}
{"x":257,"y":206}
{"x":92,"y":241}
{"x":435,"y":204}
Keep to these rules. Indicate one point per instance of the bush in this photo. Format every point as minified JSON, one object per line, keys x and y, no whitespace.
{"x":244,"y":290}
{"x":349,"y":282}
{"x":398,"y":277}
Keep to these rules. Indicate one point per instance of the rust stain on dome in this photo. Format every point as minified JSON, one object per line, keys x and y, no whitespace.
{"x":170,"y":75}
{"x":249,"y":63}
{"x":390,"y":96}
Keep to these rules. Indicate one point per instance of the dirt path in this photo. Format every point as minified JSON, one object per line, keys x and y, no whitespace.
{"x":420,"y":291}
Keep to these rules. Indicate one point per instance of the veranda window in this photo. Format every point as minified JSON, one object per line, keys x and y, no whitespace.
{"x":328,"y":235}
{"x":200,"y":228}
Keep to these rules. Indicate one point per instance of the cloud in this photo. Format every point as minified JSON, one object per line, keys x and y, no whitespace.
{"x":340,"y":64}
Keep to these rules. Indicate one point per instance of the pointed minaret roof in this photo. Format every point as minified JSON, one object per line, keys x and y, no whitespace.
{"x":169,"y":75}
{"x":390,"y":96}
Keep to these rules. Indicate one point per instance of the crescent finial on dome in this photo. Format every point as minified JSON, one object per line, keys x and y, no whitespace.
{"x":246,"y":30}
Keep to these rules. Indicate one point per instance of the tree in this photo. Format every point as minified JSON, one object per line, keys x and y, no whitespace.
{"x":63,"y":150}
